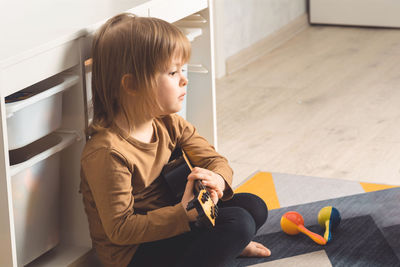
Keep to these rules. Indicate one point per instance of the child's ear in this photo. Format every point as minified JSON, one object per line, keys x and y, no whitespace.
{"x":127,"y":84}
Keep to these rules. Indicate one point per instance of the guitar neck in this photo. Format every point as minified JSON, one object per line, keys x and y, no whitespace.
{"x":175,"y":174}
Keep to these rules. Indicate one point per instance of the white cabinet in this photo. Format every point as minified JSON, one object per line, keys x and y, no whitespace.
{"x":201,"y":106}
{"x":380,"y":13}
{"x":40,"y":205}
{"x":41,"y":209}
{"x":172,"y":11}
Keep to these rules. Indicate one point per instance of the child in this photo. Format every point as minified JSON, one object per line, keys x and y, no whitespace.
{"x":138,"y":86}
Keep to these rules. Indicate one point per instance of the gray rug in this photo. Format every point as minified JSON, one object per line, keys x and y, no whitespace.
{"x":368,"y":235}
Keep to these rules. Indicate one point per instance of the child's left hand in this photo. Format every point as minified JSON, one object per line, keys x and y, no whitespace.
{"x":214,"y":182}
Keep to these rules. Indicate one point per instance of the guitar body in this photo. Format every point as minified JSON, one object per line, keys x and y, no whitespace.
{"x":175,"y":173}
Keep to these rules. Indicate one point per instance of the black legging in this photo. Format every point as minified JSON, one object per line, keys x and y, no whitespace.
{"x":237,"y":222}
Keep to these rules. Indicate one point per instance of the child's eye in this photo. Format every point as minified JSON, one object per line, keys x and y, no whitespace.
{"x":173,"y":73}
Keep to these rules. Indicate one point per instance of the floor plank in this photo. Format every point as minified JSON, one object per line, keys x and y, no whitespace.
{"x":326,"y":103}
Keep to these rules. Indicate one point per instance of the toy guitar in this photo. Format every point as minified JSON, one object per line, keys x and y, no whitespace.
{"x":175,"y":173}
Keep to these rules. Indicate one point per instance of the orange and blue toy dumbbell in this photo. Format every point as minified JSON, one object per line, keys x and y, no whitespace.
{"x":329,"y":217}
{"x":292,"y":223}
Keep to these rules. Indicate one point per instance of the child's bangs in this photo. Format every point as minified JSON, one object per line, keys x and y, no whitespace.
{"x":182,"y":49}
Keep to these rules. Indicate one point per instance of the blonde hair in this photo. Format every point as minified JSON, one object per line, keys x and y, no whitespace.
{"x":140,"y":46}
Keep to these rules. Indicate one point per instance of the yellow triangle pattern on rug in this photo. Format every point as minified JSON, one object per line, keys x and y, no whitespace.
{"x":262,"y":185}
{"x":369,"y":187}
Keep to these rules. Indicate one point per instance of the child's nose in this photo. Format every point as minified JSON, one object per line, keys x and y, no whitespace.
{"x":184,"y":81}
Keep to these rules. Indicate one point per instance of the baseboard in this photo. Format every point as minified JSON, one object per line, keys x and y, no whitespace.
{"x":266,"y":45}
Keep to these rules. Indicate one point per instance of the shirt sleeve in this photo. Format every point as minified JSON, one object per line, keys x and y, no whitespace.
{"x":202,"y":154}
{"x":109,"y":180}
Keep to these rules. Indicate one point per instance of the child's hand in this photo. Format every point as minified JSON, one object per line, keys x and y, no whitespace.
{"x":186,"y":198}
{"x":214,"y":182}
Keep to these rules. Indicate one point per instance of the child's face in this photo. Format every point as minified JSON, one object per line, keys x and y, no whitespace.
{"x":171,"y":88}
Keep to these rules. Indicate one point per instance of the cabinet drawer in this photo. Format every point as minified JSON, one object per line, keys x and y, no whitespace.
{"x":381,"y":13}
{"x":38,"y":115}
{"x":172,"y":11}
{"x":40,"y":66}
{"x":36,"y":200}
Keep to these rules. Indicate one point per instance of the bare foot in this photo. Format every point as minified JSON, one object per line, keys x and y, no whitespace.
{"x":255,"y":249}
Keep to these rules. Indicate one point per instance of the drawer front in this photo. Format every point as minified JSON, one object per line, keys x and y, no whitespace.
{"x":172,"y":11}
{"x":356,"y":12}
{"x":39,"y":67}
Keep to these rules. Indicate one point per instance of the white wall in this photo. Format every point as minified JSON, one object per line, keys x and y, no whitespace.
{"x":241,"y":23}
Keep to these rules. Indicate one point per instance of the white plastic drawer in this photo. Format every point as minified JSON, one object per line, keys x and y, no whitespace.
{"x":36,"y":200}
{"x":38,"y":115}
{"x":35,"y":182}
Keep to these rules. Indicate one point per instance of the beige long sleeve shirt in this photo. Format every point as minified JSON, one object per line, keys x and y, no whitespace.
{"x":125,"y":203}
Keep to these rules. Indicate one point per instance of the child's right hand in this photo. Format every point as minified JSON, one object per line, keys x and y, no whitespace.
{"x":214,"y":183}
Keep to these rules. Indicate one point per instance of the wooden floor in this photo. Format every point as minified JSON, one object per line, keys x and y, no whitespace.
{"x":326,"y":103}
